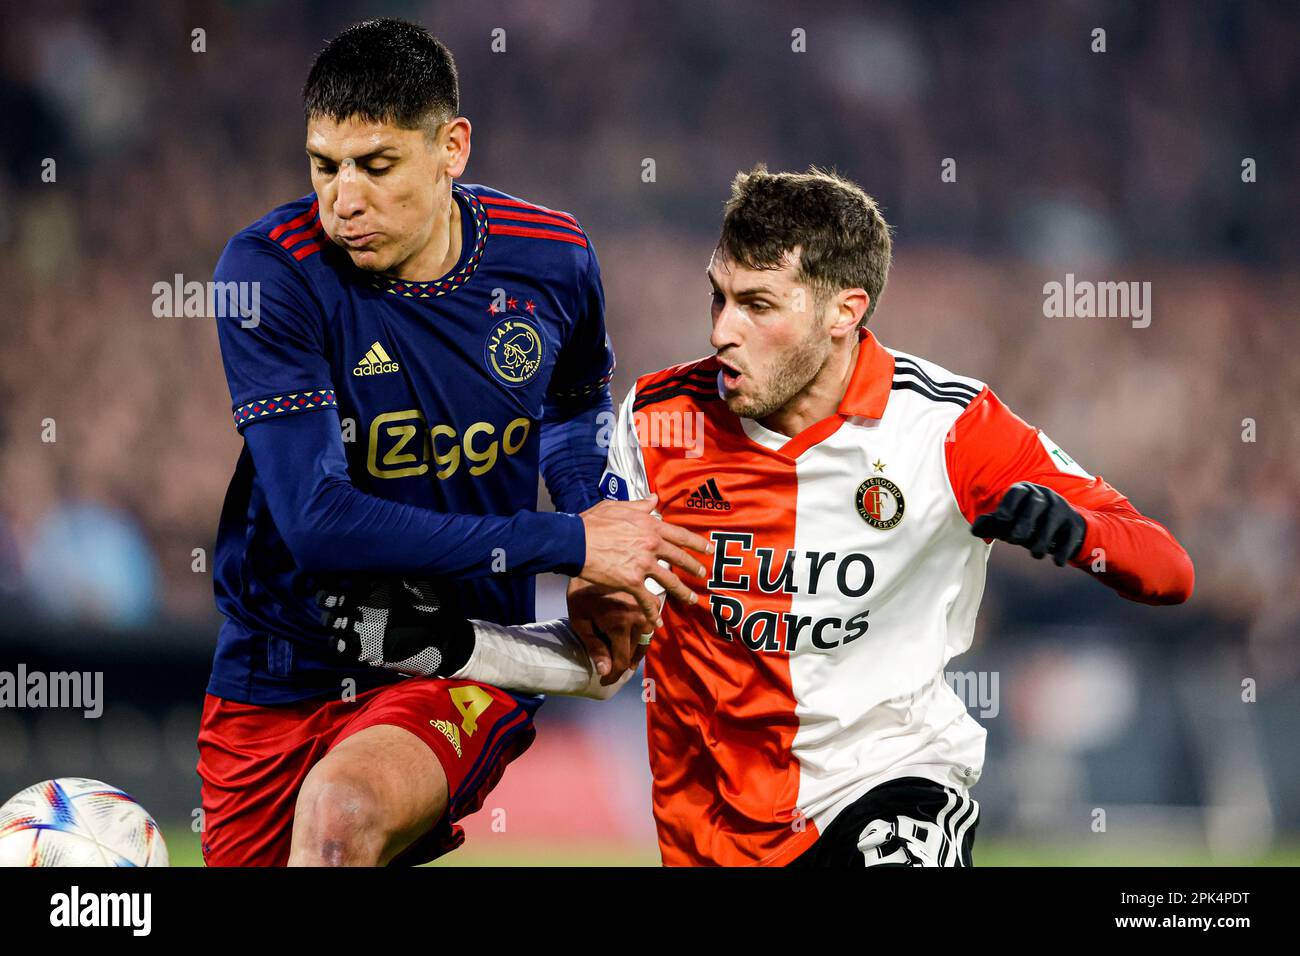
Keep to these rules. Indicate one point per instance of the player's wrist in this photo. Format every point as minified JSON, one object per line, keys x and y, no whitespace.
{"x":1088,"y":544}
{"x":571,"y":532}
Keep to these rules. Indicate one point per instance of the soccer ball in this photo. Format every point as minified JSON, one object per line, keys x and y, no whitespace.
{"x":73,"y":821}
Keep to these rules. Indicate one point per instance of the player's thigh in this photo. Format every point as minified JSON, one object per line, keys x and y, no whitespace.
{"x":471,"y":732}
{"x":382,"y":781}
{"x":252,"y":761}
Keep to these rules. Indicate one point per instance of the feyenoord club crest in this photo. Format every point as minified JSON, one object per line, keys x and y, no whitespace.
{"x":880,"y":503}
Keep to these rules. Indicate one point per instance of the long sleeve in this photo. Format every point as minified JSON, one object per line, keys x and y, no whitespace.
{"x":330,"y":525}
{"x":989,"y":449}
{"x":579,"y":411}
{"x":572,"y":450}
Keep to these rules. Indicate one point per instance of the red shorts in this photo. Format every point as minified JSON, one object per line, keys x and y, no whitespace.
{"x":253,"y":759}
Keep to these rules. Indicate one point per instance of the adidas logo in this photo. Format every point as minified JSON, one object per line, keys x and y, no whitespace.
{"x":707,"y":497}
{"x":450,"y":731}
{"x":376,"y":362}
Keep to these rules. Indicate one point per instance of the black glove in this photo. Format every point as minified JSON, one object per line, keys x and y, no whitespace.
{"x":400,"y":625}
{"x":1036,"y":517}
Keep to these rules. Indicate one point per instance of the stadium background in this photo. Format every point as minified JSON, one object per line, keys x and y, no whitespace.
{"x":1124,"y":165}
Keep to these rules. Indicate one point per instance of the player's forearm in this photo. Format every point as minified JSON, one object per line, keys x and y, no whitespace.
{"x":330,"y":525}
{"x":1136,"y":556}
{"x":341,"y":530}
{"x":572,"y":452}
{"x":541,"y":658}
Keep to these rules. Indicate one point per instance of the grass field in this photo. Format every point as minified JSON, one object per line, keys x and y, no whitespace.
{"x":183,"y":847}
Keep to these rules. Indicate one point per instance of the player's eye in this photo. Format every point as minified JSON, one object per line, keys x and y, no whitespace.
{"x":378,"y":170}
{"x":325,"y":170}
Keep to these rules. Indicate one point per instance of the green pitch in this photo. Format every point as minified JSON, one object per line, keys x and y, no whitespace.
{"x":183,"y":847}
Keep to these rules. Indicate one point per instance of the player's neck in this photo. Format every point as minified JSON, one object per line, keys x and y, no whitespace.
{"x":821,"y":397}
{"x":441,"y":253}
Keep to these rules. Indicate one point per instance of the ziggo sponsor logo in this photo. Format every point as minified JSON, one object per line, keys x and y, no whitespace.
{"x":402,"y":444}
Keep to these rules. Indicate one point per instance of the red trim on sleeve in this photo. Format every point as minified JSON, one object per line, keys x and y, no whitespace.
{"x":520,"y":204}
{"x":296,"y":222}
{"x":546,"y":219}
{"x":498,"y":230}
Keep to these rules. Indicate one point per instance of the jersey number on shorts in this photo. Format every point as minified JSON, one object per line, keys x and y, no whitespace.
{"x":471,"y":700}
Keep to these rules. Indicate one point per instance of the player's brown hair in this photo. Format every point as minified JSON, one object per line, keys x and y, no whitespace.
{"x":842,"y":239}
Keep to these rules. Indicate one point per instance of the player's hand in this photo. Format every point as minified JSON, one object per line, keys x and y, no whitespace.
{"x":1037,"y":518}
{"x":610,"y":625}
{"x":625,"y":544}
{"x":400,"y":625}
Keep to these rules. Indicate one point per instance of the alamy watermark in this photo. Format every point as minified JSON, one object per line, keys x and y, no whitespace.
{"x":1084,"y":299}
{"x":659,"y":429}
{"x":975,"y":689}
{"x":78,"y":690}
{"x":208,"y":300}
{"x":133,"y":911}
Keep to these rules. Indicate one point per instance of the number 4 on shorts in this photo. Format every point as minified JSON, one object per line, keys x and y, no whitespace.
{"x":471,"y":700}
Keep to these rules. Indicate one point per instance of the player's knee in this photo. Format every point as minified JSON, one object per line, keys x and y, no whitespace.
{"x":339,"y":821}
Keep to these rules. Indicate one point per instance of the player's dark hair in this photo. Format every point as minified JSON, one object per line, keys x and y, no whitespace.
{"x":842,"y":238}
{"x":384,"y":71}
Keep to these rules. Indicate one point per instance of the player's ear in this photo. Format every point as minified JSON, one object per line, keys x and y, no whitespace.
{"x":453,"y":141}
{"x":849,"y":308}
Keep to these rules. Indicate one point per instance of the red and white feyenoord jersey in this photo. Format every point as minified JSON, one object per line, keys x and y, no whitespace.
{"x":845,"y":578}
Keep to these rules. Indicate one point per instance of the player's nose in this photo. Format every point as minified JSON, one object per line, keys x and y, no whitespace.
{"x":724,"y":328}
{"x":349,"y":201}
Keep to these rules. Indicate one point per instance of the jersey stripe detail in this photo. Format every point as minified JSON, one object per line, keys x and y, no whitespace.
{"x":942,"y":818}
{"x":520,"y":204}
{"x":503,"y":732}
{"x":316,"y":231}
{"x":304,"y":231}
{"x":285,"y":405}
{"x":959,"y":833}
{"x":700,"y":376}
{"x":296,"y":222}
{"x":546,"y":219}
{"x":948,"y":389}
{"x":922,"y":390}
{"x":903,"y":366}
{"x":700,"y":394}
{"x":695,"y":381}
{"x":528,"y":232}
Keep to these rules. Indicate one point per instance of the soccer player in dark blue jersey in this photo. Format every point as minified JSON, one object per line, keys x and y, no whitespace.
{"x":418,"y":352}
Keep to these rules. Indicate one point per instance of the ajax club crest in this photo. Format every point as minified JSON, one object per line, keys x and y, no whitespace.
{"x":513,"y":350}
{"x":880,"y":503}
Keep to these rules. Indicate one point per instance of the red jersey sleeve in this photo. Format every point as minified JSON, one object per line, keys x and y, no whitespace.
{"x":990,"y":448}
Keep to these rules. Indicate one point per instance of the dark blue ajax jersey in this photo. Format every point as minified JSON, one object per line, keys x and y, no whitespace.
{"x":440,"y":392}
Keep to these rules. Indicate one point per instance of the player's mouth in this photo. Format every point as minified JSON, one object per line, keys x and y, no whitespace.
{"x":357,"y":241}
{"x":731,"y":376}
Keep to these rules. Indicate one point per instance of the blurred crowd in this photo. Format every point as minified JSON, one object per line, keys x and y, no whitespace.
{"x":115,"y":436}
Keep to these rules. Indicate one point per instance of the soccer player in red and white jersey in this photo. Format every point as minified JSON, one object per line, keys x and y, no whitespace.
{"x":851,"y":493}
